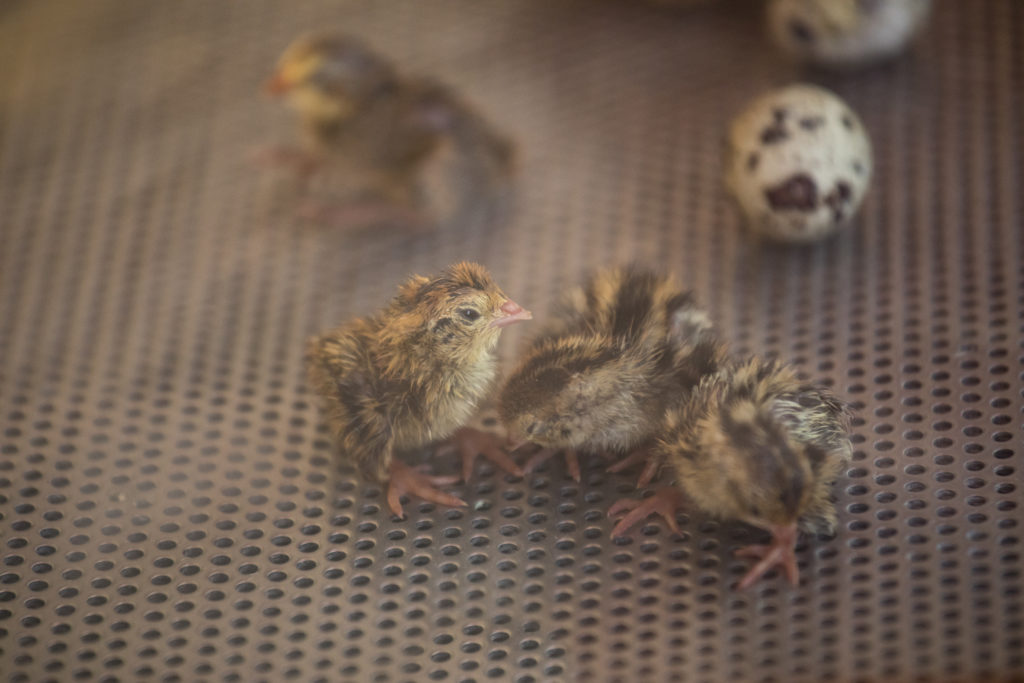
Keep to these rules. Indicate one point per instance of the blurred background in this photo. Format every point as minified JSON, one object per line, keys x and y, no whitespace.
{"x":171,"y":508}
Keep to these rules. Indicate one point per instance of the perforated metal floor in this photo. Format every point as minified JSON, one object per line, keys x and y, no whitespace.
{"x":171,"y":507}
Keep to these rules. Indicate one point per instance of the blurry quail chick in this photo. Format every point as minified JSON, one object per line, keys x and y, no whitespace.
{"x":376,"y":130}
{"x":625,"y":345}
{"x":755,"y":444}
{"x":412,"y":374}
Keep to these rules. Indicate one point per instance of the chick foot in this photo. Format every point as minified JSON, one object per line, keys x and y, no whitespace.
{"x":779,"y":553}
{"x":408,"y":480}
{"x":473,"y":442}
{"x":645,"y":455}
{"x":362,"y":214}
{"x":665,"y":502}
{"x":572,"y":460}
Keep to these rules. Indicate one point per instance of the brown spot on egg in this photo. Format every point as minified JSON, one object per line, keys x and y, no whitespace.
{"x":837,"y":198}
{"x":773,"y":134}
{"x":776,"y":130}
{"x":752,"y":161}
{"x":798,"y":192}
{"x":811,"y":122}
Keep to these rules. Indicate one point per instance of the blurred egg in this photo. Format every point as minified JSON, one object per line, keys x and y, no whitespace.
{"x":841,"y":33}
{"x":800,"y":163}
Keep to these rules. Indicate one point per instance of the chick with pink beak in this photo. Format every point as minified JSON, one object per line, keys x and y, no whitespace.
{"x":513,"y":313}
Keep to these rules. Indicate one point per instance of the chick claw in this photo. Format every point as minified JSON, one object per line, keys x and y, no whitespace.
{"x":779,"y":553}
{"x":572,"y":460}
{"x":651,"y":465}
{"x":473,"y":442}
{"x":405,"y":479}
{"x":664,"y":502}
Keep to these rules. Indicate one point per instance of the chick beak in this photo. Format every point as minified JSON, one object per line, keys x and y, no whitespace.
{"x":512,"y":313}
{"x":276,"y":85}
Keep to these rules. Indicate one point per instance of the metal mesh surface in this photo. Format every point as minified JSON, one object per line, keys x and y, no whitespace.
{"x":171,"y":508}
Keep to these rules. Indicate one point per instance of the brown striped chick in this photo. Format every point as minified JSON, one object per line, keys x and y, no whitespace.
{"x":635,"y":302}
{"x":376,"y":129}
{"x":647,"y":307}
{"x":624,"y":348}
{"x":755,"y":444}
{"x":414,"y":373}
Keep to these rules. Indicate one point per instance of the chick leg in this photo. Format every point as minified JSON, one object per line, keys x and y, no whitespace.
{"x":779,"y":553}
{"x":473,"y":442}
{"x":572,"y":460}
{"x":645,"y":455}
{"x":407,"y":480}
{"x":664,"y":502}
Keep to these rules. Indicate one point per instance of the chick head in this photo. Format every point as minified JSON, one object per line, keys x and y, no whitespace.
{"x":755,"y":470}
{"x":458,"y":314}
{"x":563,"y":395}
{"x":531,"y":410}
{"x":327,"y":75}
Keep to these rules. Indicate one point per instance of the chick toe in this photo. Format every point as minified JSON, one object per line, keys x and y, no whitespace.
{"x":665,"y":502}
{"x":637,"y":456}
{"x":408,"y":480}
{"x":780,"y":553}
{"x":651,"y":465}
{"x":572,"y":461}
{"x":474,"y":442}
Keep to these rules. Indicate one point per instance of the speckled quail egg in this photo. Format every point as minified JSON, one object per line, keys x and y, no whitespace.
{"x":800,"y":163}
{"x":843,"y":33}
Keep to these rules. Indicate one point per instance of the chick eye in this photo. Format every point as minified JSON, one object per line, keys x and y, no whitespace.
{"x":469,"y":314}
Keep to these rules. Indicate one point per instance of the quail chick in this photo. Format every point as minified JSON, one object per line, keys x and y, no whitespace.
{"x":753,"y":443}
{"x":375,"y":130}
{"x":413,"y":374}
{"x":632,"y":302}
{"x":625,"y":345}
